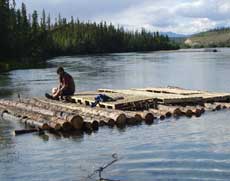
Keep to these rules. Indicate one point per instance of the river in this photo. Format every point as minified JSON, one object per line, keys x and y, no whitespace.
{"x":176,"y":149}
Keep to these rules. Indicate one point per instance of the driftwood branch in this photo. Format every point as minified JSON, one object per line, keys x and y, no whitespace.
{"x":102,"y":168}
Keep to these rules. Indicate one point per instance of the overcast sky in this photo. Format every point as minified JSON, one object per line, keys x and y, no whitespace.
{"x":180,"y":16}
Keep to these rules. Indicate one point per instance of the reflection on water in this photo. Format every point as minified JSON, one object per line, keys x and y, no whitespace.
{"x":184,"y":149}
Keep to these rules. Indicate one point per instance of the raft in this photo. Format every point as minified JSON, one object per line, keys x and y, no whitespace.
{"x":125,"y":107}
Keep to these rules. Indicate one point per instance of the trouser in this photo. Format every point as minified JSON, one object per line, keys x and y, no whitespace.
{"x":67,"y":92}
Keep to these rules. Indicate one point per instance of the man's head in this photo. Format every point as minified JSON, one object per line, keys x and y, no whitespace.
{"x":60,"y":71}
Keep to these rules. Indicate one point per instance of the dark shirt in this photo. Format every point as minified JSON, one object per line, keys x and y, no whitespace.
{"x":68,"y":81}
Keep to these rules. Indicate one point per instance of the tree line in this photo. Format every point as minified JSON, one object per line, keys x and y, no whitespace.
{"x":30,"y":37}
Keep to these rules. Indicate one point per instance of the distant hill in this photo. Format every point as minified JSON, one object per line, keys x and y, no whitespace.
{"x":174,"y":35}
{"x":212,"y":38}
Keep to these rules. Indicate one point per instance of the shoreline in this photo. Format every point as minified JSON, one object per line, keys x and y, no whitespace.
{"x":6,"y":66}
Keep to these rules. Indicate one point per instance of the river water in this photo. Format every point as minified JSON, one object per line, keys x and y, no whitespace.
{"x":183,"y":149}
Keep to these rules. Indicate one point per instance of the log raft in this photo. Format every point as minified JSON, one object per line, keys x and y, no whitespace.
{"x":137,"y":106}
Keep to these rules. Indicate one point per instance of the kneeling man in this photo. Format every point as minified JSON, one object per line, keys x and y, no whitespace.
{"x":66,"y":85}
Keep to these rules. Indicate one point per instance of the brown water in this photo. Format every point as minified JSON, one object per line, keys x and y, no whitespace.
{"x":183,"y":149}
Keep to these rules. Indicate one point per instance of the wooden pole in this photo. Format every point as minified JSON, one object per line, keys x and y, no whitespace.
{"x":118,"y":116}
{"x":25,"y":131}
{"x":75,"y":120}
{"x":35,"y":119}
{"x":37,"y":124}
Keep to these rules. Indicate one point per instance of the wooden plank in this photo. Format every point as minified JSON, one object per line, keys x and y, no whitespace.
{"x":215,"y":97}
{"x":164,"y":98}
{"x":179,"y":91}
{"x":106,"y":90}
{"x":134,"y":98}
{"x":129,"y":100}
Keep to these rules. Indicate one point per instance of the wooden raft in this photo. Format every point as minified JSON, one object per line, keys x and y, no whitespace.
{"x":133,"y":107}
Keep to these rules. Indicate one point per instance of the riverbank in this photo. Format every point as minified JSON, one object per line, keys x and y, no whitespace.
{"x":8,"y":65}
{"x":28,"y":63}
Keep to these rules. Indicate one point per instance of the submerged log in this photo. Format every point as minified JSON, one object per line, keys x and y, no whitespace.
{"x":25,"y":131}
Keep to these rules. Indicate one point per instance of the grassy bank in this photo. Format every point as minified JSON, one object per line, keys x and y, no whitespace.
{"x":211,"y":38}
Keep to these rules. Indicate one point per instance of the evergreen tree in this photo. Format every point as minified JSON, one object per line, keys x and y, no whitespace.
{"x":4,"y":27}
{"x":24,"y":38}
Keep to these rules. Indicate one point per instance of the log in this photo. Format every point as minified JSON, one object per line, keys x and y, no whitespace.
{"x":87,"y":127}
{"x":108,"y":115}
{"x":188,"y":112}
{"x":162,"y":114}
{"x":162,"y":117}
{"x":147,"y":116}
{"x":111,"y":123}
{"x":33,"y":118}
{"x":220,"y":105}
{"x":195,"y":110}
{"x":138,"y":118}
{"x":95,"y":125}
{"x":7,"y":114}
{"x":133,"y":120}
{"x":175,"y":110}
{"x":226,"y":105}
{"x":37,"y":124}
{"x":201,"y":108}
{"x":25,"y":131}
{"x":75,"y":120}
{"x":102,"y":123}
{"x":210,"y":107}
{"x":118,"y":116}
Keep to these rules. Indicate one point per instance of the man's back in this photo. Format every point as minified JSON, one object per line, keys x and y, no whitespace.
{"x":68,"y":81}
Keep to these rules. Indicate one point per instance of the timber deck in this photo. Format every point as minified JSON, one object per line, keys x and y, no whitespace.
{"x":126,"y":101}
{"x":141,"y":99}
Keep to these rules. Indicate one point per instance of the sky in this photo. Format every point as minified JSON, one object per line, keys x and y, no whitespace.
{"x":179,"y":16}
